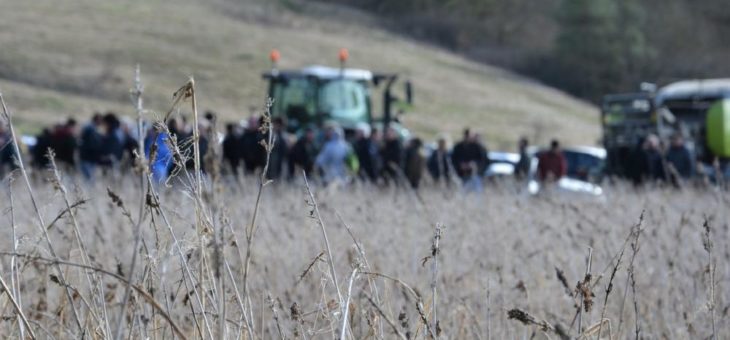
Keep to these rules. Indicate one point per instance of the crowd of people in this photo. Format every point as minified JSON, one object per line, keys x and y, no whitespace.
{"x":107,"y":144}
{"x":654,"y":161}
{"x":367,"y":155}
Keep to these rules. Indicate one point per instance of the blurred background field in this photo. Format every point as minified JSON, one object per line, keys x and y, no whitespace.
{"x":78,"y":58}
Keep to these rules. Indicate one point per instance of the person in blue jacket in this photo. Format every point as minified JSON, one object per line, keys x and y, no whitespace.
{"x":160,"y":165}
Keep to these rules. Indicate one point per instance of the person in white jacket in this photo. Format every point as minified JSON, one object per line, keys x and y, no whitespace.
{"x":332,"y":159}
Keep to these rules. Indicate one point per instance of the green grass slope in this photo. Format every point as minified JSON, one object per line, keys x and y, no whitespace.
{"x":74,"y":57}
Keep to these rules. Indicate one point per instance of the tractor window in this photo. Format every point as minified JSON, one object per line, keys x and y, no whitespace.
{"x":295,"y":99}
{"x":344,"y":99}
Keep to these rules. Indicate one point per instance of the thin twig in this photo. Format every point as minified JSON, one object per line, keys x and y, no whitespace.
{"x":346,"y":306}
{"x":708,"y":246}
{"x":315,"y":213}
{"x":263,"y":182}
{"x":17,"y":307}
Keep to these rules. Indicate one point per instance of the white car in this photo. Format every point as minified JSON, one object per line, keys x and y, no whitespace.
{"x":585,"y":171}
{"x":501,"y":164}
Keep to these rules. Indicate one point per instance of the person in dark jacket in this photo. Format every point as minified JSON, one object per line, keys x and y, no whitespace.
{"x":185,"y":138}
{"x":40,"y":149}
{"x":469,"y":157}
{"x":655,"y":167}
{"x":211,"y":117}
{"x":368,"y":153}
{"x":231,"y":151}
{"x":112,"y":149}
{"x":253,"y":153}
{"x":63,"y":142}
{"x":460,"y":157}
{"x":392,"y":156}
{"x":439,"y":163}
{"x":679,"y":163}
{"x":679,"y":158}
{"x":414,"y":162}
{"x":552,"y":164}
{"x":130,"y":145}
{"x":522,"y":169}
{"x":7,"y":151}
{"x":90,"y":150}
{"x":280,"y":150}
{"x":479,"y":154}
{"x":636,"y":166}
{"x":302,"y":154}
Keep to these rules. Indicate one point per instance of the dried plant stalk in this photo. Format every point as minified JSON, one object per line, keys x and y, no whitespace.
{"x":38,"y":215}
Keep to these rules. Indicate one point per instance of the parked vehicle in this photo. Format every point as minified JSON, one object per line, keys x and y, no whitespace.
{"x":314,"y":95}
{"x":501,"y":164}
{"x":681,"y":108}
{"x":586,"y":166}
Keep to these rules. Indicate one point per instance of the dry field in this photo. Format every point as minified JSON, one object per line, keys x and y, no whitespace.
{"x":495,"y":253}
{"x":208,"y":257}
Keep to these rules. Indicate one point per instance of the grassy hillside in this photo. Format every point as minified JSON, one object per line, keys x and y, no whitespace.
{"x":77,"y":57}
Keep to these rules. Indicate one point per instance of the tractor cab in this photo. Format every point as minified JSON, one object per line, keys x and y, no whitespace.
{"x":315,"y":95}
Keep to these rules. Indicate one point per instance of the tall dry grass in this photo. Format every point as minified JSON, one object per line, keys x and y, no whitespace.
{"x":210,"y":256}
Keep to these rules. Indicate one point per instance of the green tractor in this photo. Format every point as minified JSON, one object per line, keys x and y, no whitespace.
{"x":315,"y":95}
{"x":698,"y":110}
